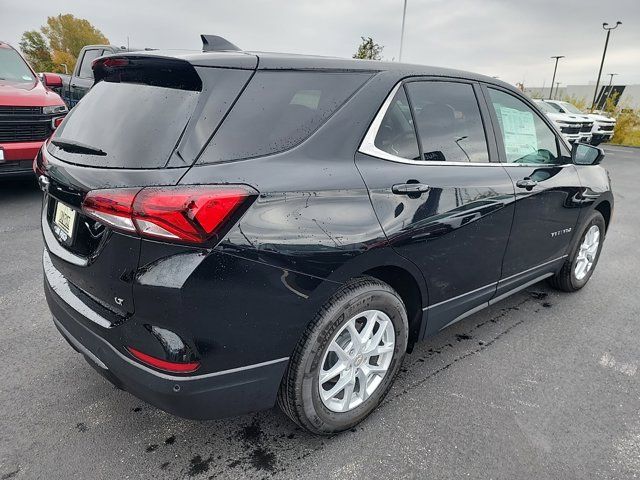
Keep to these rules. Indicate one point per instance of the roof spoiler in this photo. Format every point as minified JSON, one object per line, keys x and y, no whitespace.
{"x":214,"y":43}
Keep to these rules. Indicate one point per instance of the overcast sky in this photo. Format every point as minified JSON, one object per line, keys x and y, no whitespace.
{"x":511,"y":39}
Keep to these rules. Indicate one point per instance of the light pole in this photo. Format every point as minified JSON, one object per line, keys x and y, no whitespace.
{"x":606,"y":27}
{"x":404,"y":14}
{"x":66,"y":70}
{"x":557,"y":57}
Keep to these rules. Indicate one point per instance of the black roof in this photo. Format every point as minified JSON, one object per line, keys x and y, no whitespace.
{"x":291,"y":61}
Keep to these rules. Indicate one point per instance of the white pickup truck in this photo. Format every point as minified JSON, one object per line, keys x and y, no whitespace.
{"x":574,"y":128}
{"x":603,"y":125}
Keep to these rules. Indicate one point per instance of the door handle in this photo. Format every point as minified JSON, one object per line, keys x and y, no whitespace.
{"x":527,"y":183}
{"x":410,"y":188}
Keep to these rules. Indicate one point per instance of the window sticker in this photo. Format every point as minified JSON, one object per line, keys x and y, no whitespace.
{"x":519,"y":132}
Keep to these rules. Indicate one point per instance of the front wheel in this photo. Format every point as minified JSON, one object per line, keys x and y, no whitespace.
{"x":347,"y":358}
{"x":579,"y":267}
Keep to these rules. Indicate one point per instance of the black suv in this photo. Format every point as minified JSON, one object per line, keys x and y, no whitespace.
{"x":228,"y":229}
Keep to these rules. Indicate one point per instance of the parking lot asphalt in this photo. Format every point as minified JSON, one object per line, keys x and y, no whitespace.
{"x":542,"y":385}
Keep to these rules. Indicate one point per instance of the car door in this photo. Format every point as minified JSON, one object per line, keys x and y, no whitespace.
{"x":442,"y":198}
{"x":547,"y":189}
{"x":81,"y":83}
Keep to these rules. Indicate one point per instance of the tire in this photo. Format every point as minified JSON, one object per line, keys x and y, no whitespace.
{"x":567,"y":279}
{"x":299,"y":396}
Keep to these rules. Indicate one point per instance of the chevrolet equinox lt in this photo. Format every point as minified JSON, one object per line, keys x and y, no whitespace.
{"x":225,"y":230}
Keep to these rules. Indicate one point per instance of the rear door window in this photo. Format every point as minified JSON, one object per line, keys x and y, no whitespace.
{"x":278,"y":110}
{"x":448,"y":121}
{"x":396,"y":134}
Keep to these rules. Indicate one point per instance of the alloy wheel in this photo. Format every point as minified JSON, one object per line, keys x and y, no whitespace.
{"x":356,"y":360}
{"x":587,"y":252}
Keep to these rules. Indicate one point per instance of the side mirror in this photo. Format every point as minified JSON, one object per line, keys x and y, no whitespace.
{"x":51,"y":80}
{"x":585,"y":154}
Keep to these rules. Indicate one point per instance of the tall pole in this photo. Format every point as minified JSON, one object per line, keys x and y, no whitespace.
{"x":404,"y":15}
{"x":606,"y":27}
{"x":557,"y":57}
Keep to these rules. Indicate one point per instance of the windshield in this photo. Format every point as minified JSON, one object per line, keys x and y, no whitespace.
{"x":545,"y":107}
{"x":13,"y":67}
{"x":569,"y":107}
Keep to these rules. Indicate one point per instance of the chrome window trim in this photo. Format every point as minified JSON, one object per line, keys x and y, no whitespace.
{"x":368,"y":146}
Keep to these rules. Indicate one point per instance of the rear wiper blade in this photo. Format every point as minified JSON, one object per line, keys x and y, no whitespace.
{"x":72,"y":146}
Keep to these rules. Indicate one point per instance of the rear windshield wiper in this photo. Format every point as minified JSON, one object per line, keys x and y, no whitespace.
{"x":72,"y":146}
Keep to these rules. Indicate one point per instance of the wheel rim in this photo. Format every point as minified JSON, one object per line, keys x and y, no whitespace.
{"x":587,"y":252}
{"x":356,"y":361}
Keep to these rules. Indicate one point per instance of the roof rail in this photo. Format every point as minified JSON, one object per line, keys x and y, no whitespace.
{"x":214,"y":43}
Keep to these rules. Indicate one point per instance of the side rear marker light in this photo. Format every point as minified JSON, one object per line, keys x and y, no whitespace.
{"x":173,"y":367}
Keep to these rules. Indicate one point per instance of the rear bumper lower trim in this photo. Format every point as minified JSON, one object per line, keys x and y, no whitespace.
{"x":164,"y":376}
{"x":235,"y":391}
{"x":81,"y":348}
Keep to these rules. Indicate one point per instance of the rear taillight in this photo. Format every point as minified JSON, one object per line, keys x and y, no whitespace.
{"x":192,"y":214}
{"x":39,"y":163}
{"x":112,"y":207}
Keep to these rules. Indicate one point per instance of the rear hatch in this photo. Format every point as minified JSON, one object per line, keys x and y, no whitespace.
{"x":143,"y":124}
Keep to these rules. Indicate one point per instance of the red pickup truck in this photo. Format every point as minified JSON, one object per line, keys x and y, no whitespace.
{"x":29,"y":111}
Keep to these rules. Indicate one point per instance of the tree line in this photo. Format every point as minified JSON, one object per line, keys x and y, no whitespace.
{"x":58,"y":42}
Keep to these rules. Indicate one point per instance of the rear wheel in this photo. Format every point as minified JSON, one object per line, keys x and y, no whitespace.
{"x":347,"y":358}
{"x":579,"y":267}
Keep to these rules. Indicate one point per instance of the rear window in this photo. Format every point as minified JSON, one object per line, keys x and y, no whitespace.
{"x":134,"y":125}
{"x":85,"y":67}
{"x":278,"y":110}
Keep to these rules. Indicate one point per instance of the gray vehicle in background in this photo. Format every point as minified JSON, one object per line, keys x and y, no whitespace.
{"x":76,"y":85}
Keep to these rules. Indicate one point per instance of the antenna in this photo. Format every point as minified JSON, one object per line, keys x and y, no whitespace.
{"x":214,"y":43}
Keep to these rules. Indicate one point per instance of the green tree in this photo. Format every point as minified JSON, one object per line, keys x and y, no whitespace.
{"x":65,"y":36}
{"x":36,"y":50}
{"x":69,"y":34}
{"x":368,"y":50}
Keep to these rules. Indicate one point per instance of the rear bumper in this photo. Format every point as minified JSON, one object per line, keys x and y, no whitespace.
{"x":213,"y":395}
{"x":18,"y":157}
